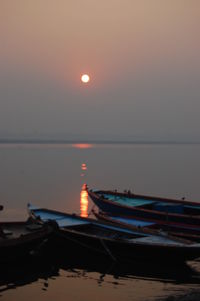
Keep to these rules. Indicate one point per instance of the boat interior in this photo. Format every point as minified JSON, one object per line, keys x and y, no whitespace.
{"x":101,"y":231}
{"x":111,"y":232}
{"x":155,"y":205}
{"x":16,"y":229}
{"x":82,"y":225}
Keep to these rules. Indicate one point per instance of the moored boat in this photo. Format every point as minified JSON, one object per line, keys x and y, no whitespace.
{"x":77,"y":234}
{"x":171,"y":229}
{"x":178,"y":213}
{"x":21,"y":239}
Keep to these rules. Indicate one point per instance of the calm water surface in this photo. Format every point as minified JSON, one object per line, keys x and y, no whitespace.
{"x":54,"y":176}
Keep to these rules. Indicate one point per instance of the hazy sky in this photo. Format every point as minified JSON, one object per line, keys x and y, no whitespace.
{"x":143,"y":58}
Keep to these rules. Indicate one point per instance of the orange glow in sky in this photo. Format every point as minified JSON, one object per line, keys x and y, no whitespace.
{"x":85,"y":63}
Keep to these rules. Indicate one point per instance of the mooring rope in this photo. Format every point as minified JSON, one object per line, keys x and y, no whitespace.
{"x":107,"y":251}
{"x":80,"y":243}
{"x":91,"y":210}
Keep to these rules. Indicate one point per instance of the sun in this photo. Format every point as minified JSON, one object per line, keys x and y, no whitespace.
{"x":85,"y":78}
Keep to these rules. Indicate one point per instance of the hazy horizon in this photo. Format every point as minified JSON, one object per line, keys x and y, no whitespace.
{"x":92,"y":141}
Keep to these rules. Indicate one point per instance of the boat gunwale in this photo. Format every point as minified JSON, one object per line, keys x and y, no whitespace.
{"x":146,"y":197}
{"x":155,"y":221}
{"x":76,"y":216}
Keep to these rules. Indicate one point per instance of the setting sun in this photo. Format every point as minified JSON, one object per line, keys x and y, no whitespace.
{"x":85,"y":78}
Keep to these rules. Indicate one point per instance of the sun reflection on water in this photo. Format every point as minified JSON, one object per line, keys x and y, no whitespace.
{"x":82,"y":145}
{"x":84,"y":201}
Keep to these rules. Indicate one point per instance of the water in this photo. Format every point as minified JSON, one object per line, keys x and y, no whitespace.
{"x":54,"y":176}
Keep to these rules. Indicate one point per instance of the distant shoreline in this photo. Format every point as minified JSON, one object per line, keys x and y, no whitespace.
{"x":63,"y":141}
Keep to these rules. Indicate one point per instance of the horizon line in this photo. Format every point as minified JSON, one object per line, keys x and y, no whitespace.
{"x":91,"y":141}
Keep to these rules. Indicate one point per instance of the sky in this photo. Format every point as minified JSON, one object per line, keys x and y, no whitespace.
{"x":143,"y":58}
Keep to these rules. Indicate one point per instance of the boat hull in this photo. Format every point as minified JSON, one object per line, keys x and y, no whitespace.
{"x":14,"y":247}
{"x":111,"y":207}
{"x":74,"y":243}
{"x":75,"y":234}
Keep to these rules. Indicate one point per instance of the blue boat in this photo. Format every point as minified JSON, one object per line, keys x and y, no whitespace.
{"x":172,"y":230}
{"x":175,"y":213}
{"x":75,"y":235}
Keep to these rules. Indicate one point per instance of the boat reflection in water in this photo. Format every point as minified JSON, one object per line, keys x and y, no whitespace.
{"x":45,"y":270}
{"x":84,"y":201}
{"x":18,"y":274}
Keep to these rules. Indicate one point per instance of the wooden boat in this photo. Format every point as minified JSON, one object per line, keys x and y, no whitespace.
{"x":77,"y":234}
{"x":150,"y":227}
{"x":175,"y":213}
{"x":19,"y":239}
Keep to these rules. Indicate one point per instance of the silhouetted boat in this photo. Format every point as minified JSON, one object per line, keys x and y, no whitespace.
{"x":75,"y":233}
{"x":19,"y":239}
{"x":149,"y":227}
{"x":174,"y":214}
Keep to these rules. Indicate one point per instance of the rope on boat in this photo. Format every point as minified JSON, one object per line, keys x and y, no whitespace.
{"x":91,"y":248}
{"x":107,"y":249}
{"x":80,"y":243}
{"x":91,"y":210}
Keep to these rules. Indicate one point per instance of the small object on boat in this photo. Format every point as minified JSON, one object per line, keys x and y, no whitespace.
{"x":78,"y":234}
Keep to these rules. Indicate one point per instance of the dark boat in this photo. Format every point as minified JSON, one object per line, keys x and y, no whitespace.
{"x":76,"y":234}
{"x":172,"y":213}
{"x":150,"y":227}
{"x":21,"y":239}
